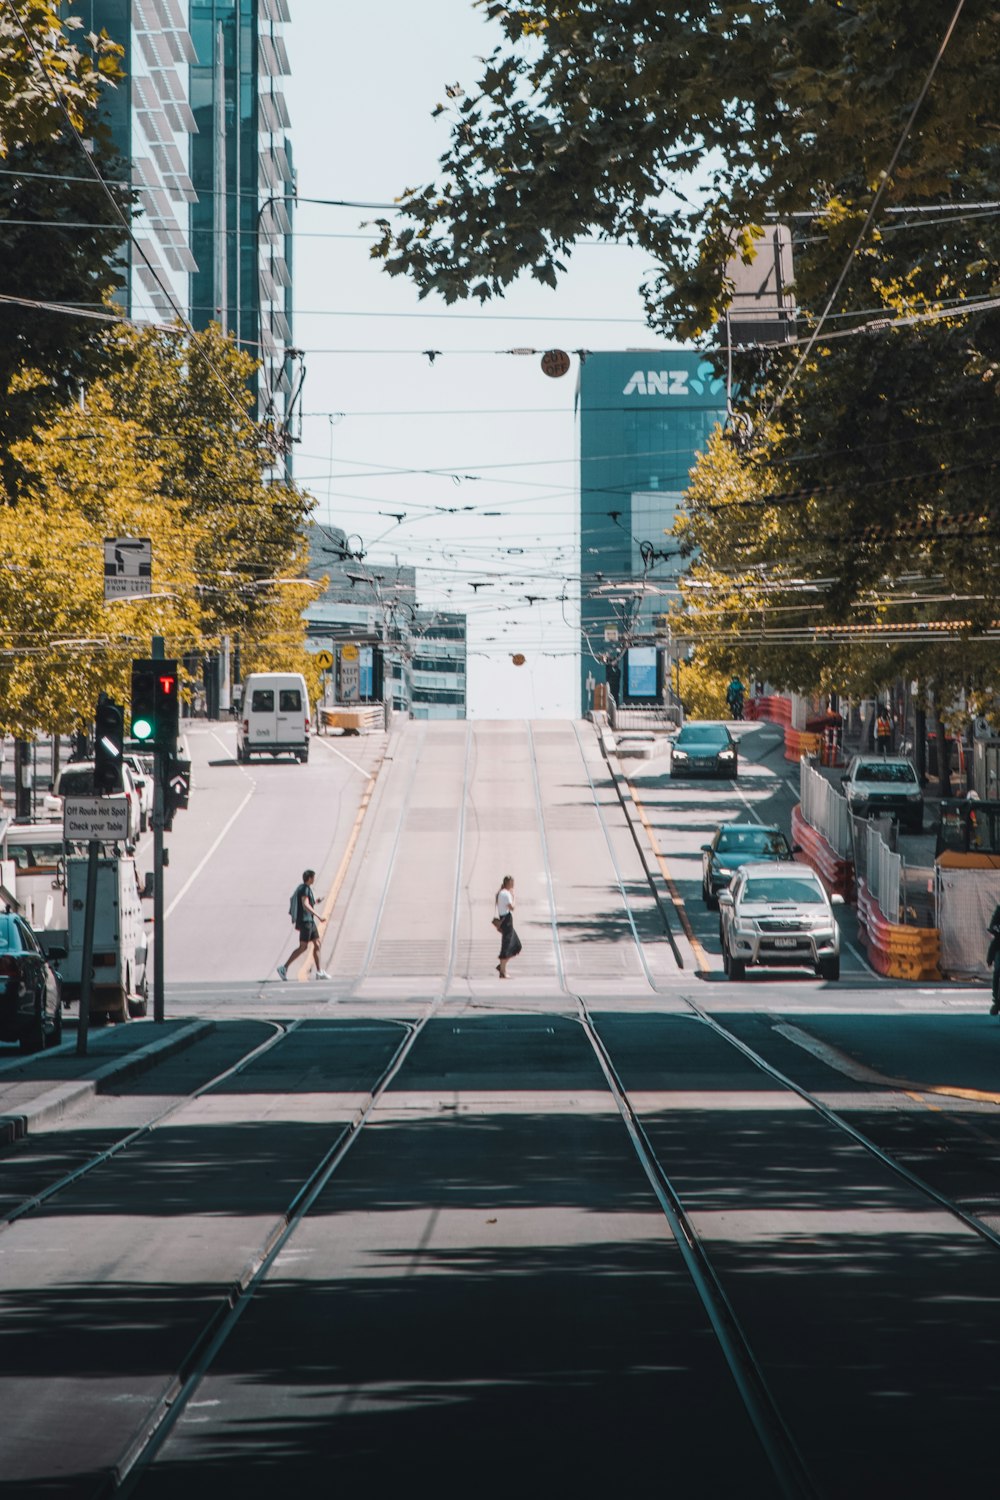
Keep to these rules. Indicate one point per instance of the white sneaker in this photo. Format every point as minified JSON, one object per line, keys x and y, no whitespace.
{"x":322,"y":974}
{"x":282,"y":972}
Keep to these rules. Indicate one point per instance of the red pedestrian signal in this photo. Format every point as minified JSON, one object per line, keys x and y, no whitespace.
{"x":155,"y":703}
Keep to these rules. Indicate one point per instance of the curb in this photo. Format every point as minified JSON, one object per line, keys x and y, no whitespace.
{"x":50,"y":1105}
{"x":653,"y":874}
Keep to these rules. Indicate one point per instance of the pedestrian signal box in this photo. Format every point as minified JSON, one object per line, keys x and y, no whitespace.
{"x":155,"y":703}
{"x":109,"y":734}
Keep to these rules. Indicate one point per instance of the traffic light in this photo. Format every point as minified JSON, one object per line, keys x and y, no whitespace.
{"x":177,"y":788}
{"x":155,"y":704}
{"x":109,"y":736}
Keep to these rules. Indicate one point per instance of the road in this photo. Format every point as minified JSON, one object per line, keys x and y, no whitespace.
{"x":614,"y":1220}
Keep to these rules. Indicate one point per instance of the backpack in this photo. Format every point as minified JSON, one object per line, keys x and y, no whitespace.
{"x":293,"y":906}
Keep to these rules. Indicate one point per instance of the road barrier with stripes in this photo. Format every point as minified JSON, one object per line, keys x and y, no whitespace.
{"x":836,"y":871}
{"x":353,"y":720}
{"x":896,"y":951}
{"x":776,"y":710}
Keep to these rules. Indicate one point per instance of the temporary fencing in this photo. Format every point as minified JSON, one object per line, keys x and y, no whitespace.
{"x":966,"y":900}
{"x":821,"y":828}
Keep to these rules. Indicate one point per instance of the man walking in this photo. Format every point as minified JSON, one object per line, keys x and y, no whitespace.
{"x":306,"y":917}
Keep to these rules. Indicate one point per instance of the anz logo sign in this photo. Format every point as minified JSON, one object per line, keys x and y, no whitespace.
{"x":675,"y":382}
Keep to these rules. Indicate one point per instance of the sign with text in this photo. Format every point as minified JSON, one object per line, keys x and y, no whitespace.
{"x":104,"y":819}
{"x":128,"y":567}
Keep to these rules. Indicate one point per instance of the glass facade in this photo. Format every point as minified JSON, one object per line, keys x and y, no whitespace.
{"x":438,"y":665}
{"x":644,"y":415}
{"x":151,"y":124}
{"x":241,"y":166}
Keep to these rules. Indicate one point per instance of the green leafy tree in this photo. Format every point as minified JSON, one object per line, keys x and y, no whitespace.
{"x":61,"y":233}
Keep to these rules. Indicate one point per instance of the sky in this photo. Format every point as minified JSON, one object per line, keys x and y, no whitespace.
{"x":498,"y":434}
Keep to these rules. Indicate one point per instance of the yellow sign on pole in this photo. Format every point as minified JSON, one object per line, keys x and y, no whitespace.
{"x":349,"y":653}
{"x":324,"y":660}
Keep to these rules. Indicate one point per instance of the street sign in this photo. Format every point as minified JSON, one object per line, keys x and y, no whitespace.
{"x":349,"y":653}
{"x":324,"y":660}
{"x":103,"y":819}
{"x":128,"y":567}
{"x":611,"y":632}
{"x":555,"y":362}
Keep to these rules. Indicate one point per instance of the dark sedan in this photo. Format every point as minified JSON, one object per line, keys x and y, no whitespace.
{"x":736,"y":845}
{"x":704,"y":750}
{"x":30,"y":991}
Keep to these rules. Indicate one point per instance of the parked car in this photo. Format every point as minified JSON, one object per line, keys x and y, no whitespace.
{"x":704,"y":749}
{"x":777,"y":916}
{"x":77,"y":780}
{"x":876,"y":784}
{"x":733,"y":846}
{"x":30,"y":988}
{"x":141,"y":767}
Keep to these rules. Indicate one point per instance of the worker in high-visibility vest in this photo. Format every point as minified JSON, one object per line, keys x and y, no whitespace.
{"x":883,"y":731}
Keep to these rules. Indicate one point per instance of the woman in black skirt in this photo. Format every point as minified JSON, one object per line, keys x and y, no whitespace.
{"x":510,"y":943}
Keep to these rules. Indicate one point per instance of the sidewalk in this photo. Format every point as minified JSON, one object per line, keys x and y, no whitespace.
{"x":38,"y":1087}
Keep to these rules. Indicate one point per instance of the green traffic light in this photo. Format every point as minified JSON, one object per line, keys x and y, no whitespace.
{"x":142,"y":729}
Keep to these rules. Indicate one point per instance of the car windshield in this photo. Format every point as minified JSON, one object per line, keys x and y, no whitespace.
{"x":77,"y":783}
{"x":35,"y":856}
{"x":801,"y":890}
{"x":756,"y":841}
{"x":885,"y":770}
{"x":702,"y":734}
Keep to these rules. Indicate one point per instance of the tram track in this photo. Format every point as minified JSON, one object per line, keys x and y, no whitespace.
{"x":792,"y":1477}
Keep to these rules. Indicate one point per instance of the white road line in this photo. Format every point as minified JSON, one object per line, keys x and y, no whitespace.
{"x":333,"y":751}
{"x":203,"y":862}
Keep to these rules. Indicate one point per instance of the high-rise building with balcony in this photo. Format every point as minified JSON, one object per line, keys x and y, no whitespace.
{"x":152,"y":124}
{"x":241,"y":167}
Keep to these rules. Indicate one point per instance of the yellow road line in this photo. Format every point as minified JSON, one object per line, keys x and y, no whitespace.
{"x":699,"y":952}
{"x":341,"y":874}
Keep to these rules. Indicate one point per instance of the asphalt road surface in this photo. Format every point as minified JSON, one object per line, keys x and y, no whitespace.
{"x":614,"y":1221}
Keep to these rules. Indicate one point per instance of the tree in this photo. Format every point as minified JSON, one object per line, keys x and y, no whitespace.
{"x":598,"y":119}
{"x":164,"y":447}
{"x":46,"y":183}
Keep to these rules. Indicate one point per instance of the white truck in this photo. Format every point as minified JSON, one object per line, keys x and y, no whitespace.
{"x":46,"y":881}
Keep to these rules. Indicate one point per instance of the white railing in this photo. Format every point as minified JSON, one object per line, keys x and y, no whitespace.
{"x":884,"y":874}
{"x":825,"y":809}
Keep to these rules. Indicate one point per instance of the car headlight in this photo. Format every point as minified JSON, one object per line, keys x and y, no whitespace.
{"x":679,"y":755}
{"x":857,"y":794}
{"x":726,"y":754}
{"x":914,"y":796}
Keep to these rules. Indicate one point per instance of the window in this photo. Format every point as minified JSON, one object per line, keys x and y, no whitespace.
{"x":885,"y":771}
{"x":262,"y":701}
{"x":804,"y":892}
{"x":290,"y":701}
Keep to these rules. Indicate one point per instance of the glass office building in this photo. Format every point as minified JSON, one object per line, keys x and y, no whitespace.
{"x":644,"y":415}
{"x":241,"y":167}
{"x":152,"y":124}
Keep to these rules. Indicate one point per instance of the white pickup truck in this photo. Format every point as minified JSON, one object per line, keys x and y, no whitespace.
{"x":46,"y":881}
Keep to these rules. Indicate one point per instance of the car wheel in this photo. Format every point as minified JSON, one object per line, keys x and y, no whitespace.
{"x":33,"y":1040}
{"x":725,"y":954}
{"x":737,"y":968}
{"x":829,"y":969}
{"x":709,"y":897}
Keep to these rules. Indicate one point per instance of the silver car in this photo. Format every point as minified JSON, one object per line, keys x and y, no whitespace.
{"x":778,"y":916}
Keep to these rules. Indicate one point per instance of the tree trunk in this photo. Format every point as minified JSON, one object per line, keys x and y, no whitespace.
{"x":944,"y":761}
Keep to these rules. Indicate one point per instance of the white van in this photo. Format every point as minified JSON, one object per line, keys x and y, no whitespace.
{"x":275,"y":716}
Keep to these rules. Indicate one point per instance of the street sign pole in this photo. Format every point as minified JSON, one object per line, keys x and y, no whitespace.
{"x":159,"y":810}
{"x":159,"y":817}
{"x":87,"y":970}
